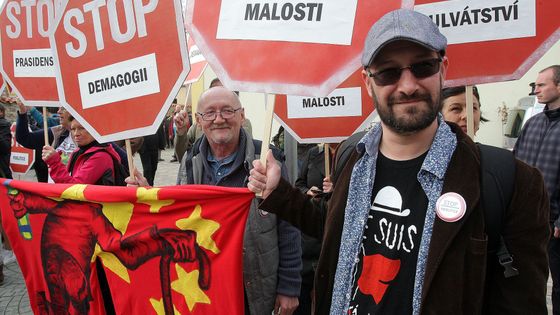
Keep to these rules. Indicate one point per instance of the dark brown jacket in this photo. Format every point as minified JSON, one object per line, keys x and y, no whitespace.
{"x":456,"y":270}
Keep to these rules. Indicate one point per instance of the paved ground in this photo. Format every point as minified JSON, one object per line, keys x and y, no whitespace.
{"x":13,"y":294}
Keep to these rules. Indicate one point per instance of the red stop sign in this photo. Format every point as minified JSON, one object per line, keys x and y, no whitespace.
{"x":2,"y":84}
{"x":289,"y":47}
{"x":493,"y":40}
{"x":21,"y":158}
{"x":26,"y":58}
{"x":329,"y":119}
{"x":197,"y":60}
{"x":120,"y":64}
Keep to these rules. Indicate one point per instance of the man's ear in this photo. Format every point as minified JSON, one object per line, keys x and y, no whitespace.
{"x":367,"y":82}
{"x":444,"y":66}
{"x":242,"y":114}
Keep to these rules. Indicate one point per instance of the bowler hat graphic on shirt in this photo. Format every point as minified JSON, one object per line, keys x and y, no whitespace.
{"x":389,"y":200}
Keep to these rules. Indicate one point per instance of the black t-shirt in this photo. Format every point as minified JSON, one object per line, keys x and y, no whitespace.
{"x":384,"y":276}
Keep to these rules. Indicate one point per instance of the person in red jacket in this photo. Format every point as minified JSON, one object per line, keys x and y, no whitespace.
{"x":91,"y":163}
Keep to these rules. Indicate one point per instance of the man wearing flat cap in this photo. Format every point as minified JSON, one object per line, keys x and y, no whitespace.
{"x":404,"y":229}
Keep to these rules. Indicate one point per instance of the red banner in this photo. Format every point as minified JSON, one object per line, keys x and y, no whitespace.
{"x":165,"y":250}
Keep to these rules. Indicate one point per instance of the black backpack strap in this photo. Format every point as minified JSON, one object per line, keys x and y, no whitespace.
{"x":343,"y":153}
{"x":498,"y":176}
{"x":120,"y":172}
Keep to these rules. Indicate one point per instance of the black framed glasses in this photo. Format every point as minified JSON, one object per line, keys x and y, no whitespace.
{"x":420,"y":70}
{"x":226,"y":114}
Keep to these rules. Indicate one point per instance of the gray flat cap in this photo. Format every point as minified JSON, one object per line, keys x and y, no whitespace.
{"x":402,"y":24}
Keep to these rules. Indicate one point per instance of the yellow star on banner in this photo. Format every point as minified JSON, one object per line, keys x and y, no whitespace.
{"x":150,"y":197}
{"x":119,"y":214}
{"x":204,"y":229}
{"x":160,"y":309}
{"x":187,"y":285}
{"x":112,"y":263}
{"x":75,"y":192}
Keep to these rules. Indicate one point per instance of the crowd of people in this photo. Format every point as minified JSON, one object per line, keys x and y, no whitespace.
{"x":396,"y":226}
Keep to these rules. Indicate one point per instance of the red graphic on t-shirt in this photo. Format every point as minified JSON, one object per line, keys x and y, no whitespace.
{"x":377,"y":273}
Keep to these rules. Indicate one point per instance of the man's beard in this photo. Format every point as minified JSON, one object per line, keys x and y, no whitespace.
{"x":223,"y":139}
{"x":416,"y":118}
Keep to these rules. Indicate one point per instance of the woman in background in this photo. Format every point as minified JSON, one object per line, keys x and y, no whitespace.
{"x":90,"y":163}
{"x":454,"y":107}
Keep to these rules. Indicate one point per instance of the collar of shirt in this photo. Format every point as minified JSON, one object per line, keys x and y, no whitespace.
{"x":430,"y":178}
{"x":552,"y":114}
{"x":444,"y":144}
{"x":220,"y":168}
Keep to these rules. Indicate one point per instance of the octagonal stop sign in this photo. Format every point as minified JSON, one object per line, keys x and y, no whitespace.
{"x":289,"y":47}
{"x":493,"y":40}
{"x":329,"y":119}
{"x":119,"y":63}
{"x":21,"y":158}
{"x":198,"y":63}
{"x":26,"y":59}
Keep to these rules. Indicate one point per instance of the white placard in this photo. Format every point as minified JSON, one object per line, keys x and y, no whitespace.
{"x":482,"y":20}
{"x":19,"y":158}
{"x":119,"y":81}
{"x":34,"y":63}
{"x":341,"y":102}
{"x":320,"y":21}
{"x":195,"y":55}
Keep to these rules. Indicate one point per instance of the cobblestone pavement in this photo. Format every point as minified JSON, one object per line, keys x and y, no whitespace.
{"x":13,"y":294}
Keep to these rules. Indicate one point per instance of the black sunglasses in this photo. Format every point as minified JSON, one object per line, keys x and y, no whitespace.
{"x":420,"y":70}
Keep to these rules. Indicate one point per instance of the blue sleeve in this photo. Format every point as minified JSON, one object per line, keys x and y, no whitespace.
{"x":289,"y":247}
{"x":30,"y":140}
{"x":36,"y":114}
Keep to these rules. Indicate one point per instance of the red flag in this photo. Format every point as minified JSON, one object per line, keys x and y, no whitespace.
{"x":164,"y":250}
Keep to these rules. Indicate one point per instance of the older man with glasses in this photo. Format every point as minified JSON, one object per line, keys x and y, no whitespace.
{"x":187,"y":134}
{"x":223,"y":157}
{"x":404,"y":229}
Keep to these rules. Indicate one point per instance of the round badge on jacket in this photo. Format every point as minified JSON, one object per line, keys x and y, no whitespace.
{"x":451,"y":207}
